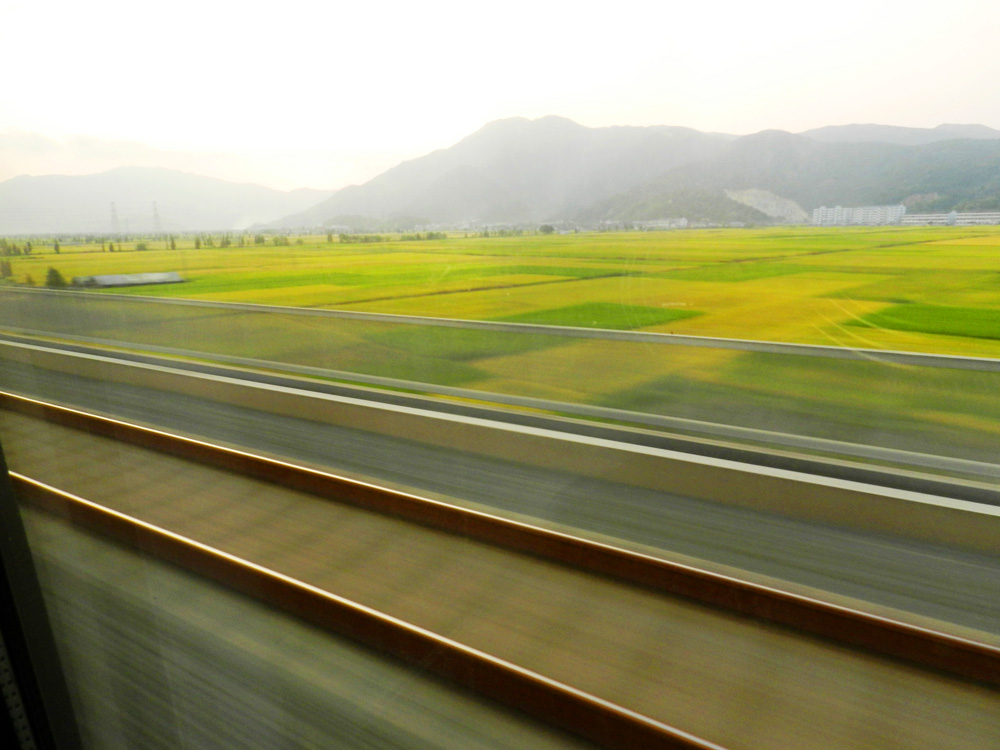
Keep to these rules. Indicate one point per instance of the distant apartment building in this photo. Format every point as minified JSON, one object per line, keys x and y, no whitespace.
{"x":841,"y":216}
{"x":954,"y":219}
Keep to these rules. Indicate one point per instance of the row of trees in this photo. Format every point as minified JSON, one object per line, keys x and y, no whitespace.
{"x":10,"y":248}
{"x":53,"y":278}
{"x":498,"y":233}
{"x":426,"y":236}
{"x":362,"y":238}
{"x":7,"y":249}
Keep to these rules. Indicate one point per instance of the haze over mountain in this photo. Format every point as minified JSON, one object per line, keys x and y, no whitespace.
{"x":527,"y":172}
{"x":518,"y":170}
{"x":54,"y":204}
{"x":899,"y":135}
{"x":550,"y":169}
{"x":948,"y":175}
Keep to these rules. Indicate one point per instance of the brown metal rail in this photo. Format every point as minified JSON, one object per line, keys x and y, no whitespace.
{"x":957,"y":656}
{"x":557,"y":704}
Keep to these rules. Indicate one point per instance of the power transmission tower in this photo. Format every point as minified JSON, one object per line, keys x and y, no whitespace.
{"x":157,"y":226}
{"x":115,"y":229}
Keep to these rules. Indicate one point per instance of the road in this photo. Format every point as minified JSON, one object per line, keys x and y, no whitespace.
{"x":690,"y":666}
{"x":956,"y":587}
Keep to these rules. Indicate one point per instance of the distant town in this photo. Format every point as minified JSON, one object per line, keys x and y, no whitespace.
{"x":873,"y":216}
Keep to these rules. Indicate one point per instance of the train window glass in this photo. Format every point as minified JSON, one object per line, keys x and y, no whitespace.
{"x":425,"y":389}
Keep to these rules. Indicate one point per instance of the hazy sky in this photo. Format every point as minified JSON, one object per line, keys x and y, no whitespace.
{"x":325,"y":94}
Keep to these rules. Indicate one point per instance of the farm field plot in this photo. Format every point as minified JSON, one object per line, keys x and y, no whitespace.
{"x":974,"y":322}
{"x":914,"y":289}
{"x":798,"y":285}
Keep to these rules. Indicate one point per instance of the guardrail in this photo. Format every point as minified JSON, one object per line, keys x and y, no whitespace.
{"x":706,"y":440}
{"x":851,"y":504}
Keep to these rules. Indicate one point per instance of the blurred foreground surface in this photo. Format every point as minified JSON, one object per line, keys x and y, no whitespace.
{"x":694,"y":667}
{"x":157,"y":658}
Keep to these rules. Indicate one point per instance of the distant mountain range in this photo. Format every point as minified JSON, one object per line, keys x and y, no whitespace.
{"x":520,"y":171}
{"x":55,"y":204}
{"x":899,"y":136}
{"x":945,"y":175}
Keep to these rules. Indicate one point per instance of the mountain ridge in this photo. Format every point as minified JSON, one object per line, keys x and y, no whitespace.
{"x":899,"y":135}
{"x":518,"y":171}
{"x":958,"y":174}
{"x":57,"y":204}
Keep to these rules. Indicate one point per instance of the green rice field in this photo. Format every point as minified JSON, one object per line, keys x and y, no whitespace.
{"x":859,"y":287}
{"x":912,"y":289}
{"x":971,"y":322}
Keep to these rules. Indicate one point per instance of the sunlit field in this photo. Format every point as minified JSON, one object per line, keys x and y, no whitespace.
{"x":921,"y":289}
{"x":847,"y":287}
